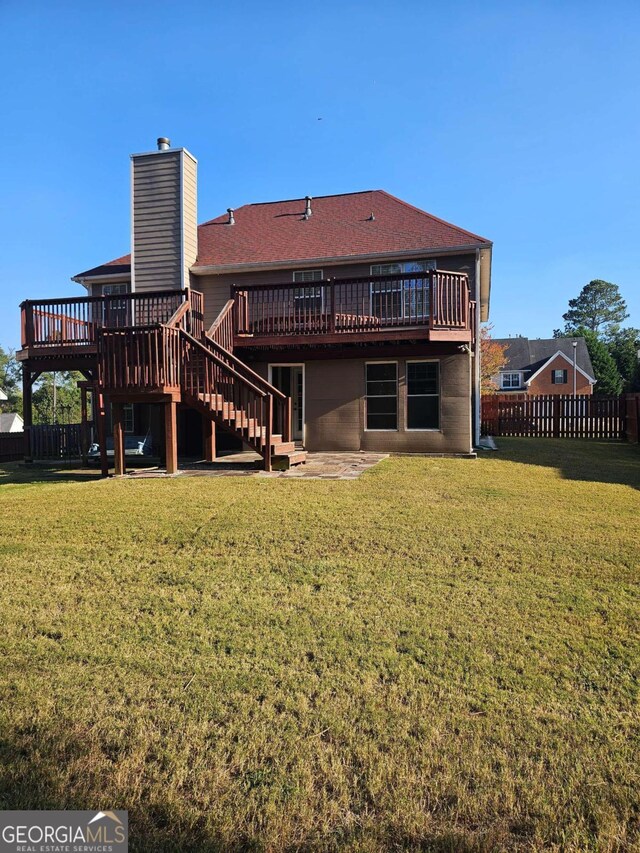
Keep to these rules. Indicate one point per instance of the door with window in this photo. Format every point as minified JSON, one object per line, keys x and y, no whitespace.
{"x":117,"y":312}
{"x":401,"y":300}
{"x":289,"y":378}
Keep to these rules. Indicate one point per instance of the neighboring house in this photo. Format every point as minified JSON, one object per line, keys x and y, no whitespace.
{"x":10,"y":422}
{"x":344,"y":322}
{"x":3,"y":396}
{"x":545,"y":366}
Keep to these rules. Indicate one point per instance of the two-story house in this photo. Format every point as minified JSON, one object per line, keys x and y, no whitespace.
{"x":341,"y":322}
{"x":545,"y":366}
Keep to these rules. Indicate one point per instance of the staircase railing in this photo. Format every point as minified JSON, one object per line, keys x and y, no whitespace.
{"x":210,"y":381}
{"x":222,"y":330}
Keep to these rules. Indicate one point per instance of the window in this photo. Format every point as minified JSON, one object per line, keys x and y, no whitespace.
{"x":558,"y":377}
{"x":127,"y":412}
{"x":305,"y":276}
{"x":423,"y":395}
{"x":115,"y":289}
{"x":127,"y":418}
{"x":510,"y":380}
{"x":405,"y":299}
{"x":307,"y":300}
{"x":382,"y":395}
{"x":117,"y":312}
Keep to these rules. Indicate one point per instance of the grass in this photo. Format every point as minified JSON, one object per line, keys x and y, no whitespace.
{"x":440,"y":655}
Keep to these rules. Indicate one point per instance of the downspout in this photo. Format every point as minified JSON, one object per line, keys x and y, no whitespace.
{"x":476,"y":356}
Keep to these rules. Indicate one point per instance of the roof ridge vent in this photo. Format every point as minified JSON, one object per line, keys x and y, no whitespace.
{"x":231,"y":220}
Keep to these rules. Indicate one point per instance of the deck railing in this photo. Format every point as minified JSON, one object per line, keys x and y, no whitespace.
{"x":139,"y":359}
{"x":52,"y":323}
{"x":435,"y":299}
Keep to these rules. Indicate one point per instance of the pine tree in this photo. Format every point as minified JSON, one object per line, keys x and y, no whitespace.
{"x":624,"y":346}
{"x":605,"y":370}
{"x":599,"y":308}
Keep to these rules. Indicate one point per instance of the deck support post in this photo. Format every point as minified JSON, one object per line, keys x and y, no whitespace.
{"x":117,"y":415}
{"x":208,"y":438}
{"x":171,"y":437}
{"x":269,"y":432}
{"x":27,"y":411}
{"x":101,"y":418}
{"x":84,"y":435}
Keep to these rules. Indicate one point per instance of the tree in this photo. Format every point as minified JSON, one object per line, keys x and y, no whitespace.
{"x":492,"y":360}
{"x":10,"y":380}
{"x":624,"y":346}
{"x":605,"y":370}
{"x":56,"y":399}
{"x":599,"y":308}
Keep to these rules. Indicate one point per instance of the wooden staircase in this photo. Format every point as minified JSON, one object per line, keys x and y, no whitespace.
{"x":165,"y":359}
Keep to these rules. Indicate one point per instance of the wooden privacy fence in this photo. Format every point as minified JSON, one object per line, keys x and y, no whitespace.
{"x":11,"y":446}
{"x":633,"y":418}
{"x":554,"y":416}
{"x":57,"y":441}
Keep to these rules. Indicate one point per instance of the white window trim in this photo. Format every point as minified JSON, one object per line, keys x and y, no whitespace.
{"x":128,"y":407}
{"x":438,"y":395}
{"x":517,"y":373}
{"x":397,"y":395}
{"x":301,"y":364}
{"x":309,"y":281}
{"x":430,"y":265}
{"x":108,"y":289}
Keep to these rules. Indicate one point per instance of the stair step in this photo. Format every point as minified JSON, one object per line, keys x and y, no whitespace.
{"x":282,"y":462}
{"x":282,"y":448}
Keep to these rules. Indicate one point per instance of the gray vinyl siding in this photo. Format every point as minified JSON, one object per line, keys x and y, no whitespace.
{"x":164,"y":219}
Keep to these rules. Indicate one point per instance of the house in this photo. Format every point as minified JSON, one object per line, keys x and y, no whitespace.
{"x":344,"y":322}
{"x":3,"y":396}
{"x":10,"y":422}
{"x":545,"y":366}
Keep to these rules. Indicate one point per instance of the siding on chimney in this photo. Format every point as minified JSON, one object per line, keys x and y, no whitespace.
{"x":164,"y":228}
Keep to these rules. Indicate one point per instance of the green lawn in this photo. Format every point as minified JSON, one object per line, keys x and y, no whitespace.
{"x":441,"y":655}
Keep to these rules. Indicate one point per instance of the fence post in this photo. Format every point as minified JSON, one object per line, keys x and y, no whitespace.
{"x":555,"y":407}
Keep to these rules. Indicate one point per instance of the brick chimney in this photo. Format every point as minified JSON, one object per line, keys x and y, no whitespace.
{"x":164,"y":223}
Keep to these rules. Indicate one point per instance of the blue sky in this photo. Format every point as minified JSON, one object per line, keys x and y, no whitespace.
{"x":518,"y":121}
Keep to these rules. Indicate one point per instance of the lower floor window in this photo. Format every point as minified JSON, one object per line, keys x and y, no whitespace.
{"x":423,"y":395}
{"x":382,"y":395}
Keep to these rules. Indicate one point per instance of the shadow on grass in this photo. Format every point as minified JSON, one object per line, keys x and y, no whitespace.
{"x":576,"y":459}
{"x":19,"y":473}
{"x":40,"y":770}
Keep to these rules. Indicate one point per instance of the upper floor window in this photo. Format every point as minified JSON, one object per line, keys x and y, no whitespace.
{"x":510,"y":380}
{"x":115,"y":289}
{"x":406,"y":266}
{"x":558,"y":377}
{"x":306,"y":276}
{"x":403,"y":299}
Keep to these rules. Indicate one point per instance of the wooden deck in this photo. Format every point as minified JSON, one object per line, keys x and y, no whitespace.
{"x":433,"y":305}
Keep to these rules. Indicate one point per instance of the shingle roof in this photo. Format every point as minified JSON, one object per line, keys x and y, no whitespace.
{"x":10,"y":422}
{"x":529,"y":355}
{"x":340,"y":226}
